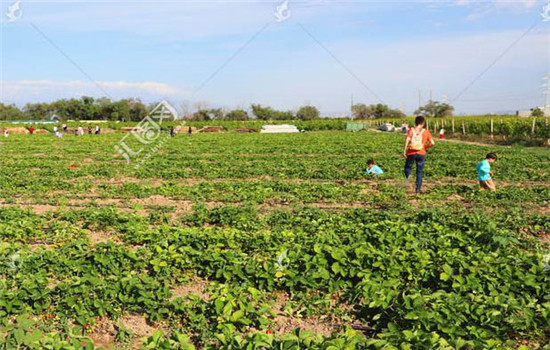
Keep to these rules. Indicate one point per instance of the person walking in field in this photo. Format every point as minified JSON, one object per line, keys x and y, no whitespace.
{"x":442,"y":133}
{"x":55,"y":131}
{"x":31,"y":129}
{"x":417,"y":142}
{"x":89,"y":130}
{"x":484,"y":173}
{"x":189,"y":131}
{"x":6,"y":133}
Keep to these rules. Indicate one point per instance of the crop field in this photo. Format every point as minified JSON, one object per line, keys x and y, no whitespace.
{"x":253,"y":241}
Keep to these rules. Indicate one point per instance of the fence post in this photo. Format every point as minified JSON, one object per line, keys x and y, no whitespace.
{"x":492,"y":129}
{"x":533,"y":127}
{"x":453,"y":125}
{"x":463,"y":128}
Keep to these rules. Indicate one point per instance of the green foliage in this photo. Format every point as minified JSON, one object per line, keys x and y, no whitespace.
{"x":237,"y":114}
{"x":537,"y":113}
{"x":283,"y":232}
{"x":362,"y":111}
{"x":268,"y":113}
{"x":307,"y":113}
{"x":435,"y":109}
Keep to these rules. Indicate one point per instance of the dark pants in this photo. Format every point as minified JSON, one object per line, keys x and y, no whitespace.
{"x":420,"y":161}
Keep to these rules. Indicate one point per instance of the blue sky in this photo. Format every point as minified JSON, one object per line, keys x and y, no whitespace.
{"x":324,"y":53}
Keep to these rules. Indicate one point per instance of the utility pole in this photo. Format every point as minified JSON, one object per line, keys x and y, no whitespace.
{"x":419,"y":98}
{"x":351,"y":108}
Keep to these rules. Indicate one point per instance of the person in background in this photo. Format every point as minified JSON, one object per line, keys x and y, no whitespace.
{"x":97,"y":130}
{"x":80,"y":131}
{"x":442,"y":133}
{"x":484,"y":173}
{"x":418,"y":141}
{"x":31,"y":129}
{"x":89,"y":129}
{"x":6,"y":133}
{"x":55,"y":131}
{"x":172,"y":131}
{"x":373,"y":169}
{"x":189,"y":131}
{"x":405,"y":128}
{"x":64,"y":127}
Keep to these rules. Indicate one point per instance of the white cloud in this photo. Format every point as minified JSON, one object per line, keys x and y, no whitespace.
{"x":37,"y":90}
{"x":500,"y":3}
{"x":483,"y":8}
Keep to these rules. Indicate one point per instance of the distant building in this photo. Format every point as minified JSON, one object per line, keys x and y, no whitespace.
{"x":526,"y":114}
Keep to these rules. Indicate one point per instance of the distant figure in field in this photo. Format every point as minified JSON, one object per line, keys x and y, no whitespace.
{"x":373,"y":169}
{"x":97,"y":130}
{"x":31,"y":129}
{"x":64,"y":127}
{"x":55,"y":131}
{"x":89,"y":130}
{"x":418,"y":141}
{"x":484,"y":173}
{"x":60,"y":135}
{"x":405,"y":128}
{"x":442,"y":133}
{"x":6,"y":133}
{"x":80,"y":131}
{"x":189,"y":131}
{"x":172,"y":131}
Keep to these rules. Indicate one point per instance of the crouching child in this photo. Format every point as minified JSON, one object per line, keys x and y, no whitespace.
{"x":484,"y":173}
{"x":373,"y":169}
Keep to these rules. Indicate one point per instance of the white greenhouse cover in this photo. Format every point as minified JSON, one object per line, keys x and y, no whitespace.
{"x":279,"y":129}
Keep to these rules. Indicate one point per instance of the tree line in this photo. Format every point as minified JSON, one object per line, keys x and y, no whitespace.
{"x":131,"y":109}
{"x":432,"y":109}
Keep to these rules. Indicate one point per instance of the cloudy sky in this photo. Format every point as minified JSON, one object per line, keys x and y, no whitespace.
{"x":484,"y":56}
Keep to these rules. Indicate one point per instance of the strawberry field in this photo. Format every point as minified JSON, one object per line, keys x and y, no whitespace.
{"x":228,"y":241}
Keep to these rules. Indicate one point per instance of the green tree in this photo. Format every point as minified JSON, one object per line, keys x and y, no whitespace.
{"x":138,"y":110}
{"x":10,"y":112}
{"x":216,"y":114}
{"x":263,"y":113}
{"x":237,"y":114}
{"x":436,"y":109}
{"x":200,"y":115}
{"x":537,"y":113}
{"x":268,"y":113}
{"x":307,"y":113}
{"x":362,"y":111}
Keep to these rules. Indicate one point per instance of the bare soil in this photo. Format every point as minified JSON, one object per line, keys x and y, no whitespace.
{"x":197,"y":286}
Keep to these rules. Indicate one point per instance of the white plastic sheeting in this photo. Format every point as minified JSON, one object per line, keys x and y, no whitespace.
{"x":279,"y":129}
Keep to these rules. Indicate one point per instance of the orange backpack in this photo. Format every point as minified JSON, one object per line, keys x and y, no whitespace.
{"x":416,"y":140}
